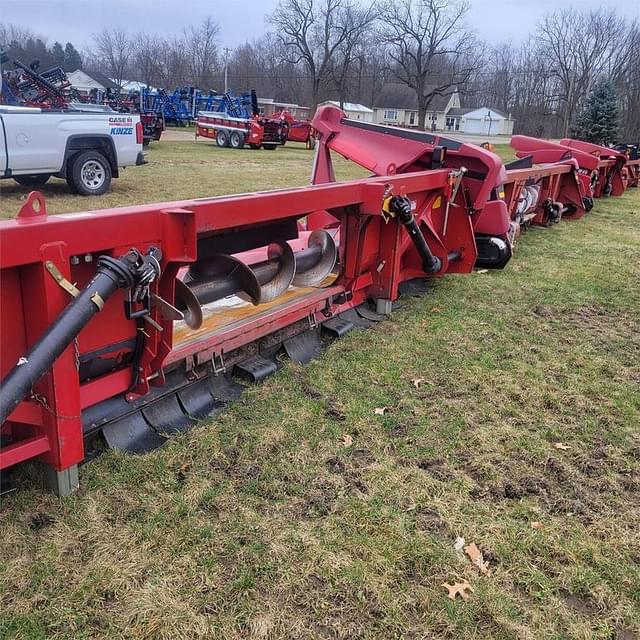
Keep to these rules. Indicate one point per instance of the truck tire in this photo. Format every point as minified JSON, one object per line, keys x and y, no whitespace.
{"x":236,"y":140}
{"x":89,"y":174}
{"x":36,"y":180}
{"x":222,"y":139}
{"x":270,"y":147}
{"x":254,"y":146}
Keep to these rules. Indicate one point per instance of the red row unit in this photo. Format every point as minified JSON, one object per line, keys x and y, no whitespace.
{"x":228,"y":131}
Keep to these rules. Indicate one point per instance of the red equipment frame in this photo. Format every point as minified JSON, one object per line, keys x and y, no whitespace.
{"x":430,"y":196}
{"x":602,"y":167}
{"x":298,"y":130}
{"x":375,"y":256}
{"x":257,"y":130}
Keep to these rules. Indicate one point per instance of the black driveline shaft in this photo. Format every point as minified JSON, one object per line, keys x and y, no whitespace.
{"x":401,"y":206}
{"x":112,"y":274}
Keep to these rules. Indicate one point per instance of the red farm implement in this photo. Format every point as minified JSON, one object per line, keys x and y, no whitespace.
{"x":476,"y":175}
{"x":297,"y":130}
{"x":229,"y":131}
{"x":26,"y":86}
{"x":632,"y":163}
{"x":601,"y":168}
{"x":173,"y":302}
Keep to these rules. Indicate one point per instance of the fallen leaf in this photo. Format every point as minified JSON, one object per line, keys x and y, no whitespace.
{"x":561,"y":445}
{"x":347,"y":440}
{"x":476,"y":557}
{"x":436,"y":309}
{"x":536,"y":525}
{"x":417,"y":382}
{"x":458,"y":545}
{"x":458,"y":589}
{"x":380,"y":411}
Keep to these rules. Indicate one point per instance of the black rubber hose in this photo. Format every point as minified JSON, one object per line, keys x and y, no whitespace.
{"x":402,"y":208}
{"x":112,"y":274}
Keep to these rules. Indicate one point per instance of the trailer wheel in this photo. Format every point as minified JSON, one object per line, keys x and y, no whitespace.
{"x":89,"y":174}
{"x":222,"y":139}
{"x":236,"y":140}
{"x":36,"y":180}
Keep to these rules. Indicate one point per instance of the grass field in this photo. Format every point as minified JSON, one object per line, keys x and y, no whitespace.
{"x":301,"y":513}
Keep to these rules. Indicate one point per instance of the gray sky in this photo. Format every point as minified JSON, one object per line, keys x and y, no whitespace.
{"x":75,"y":20}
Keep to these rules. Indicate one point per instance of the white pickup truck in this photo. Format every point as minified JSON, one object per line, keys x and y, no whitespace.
{"x":86,"y":147}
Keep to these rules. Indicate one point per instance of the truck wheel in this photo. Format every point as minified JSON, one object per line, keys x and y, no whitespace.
{"x":89,"y":174}
{"x":236,"y":140}
{"x":255,"y":147}
{"x":269,"y":147}
{"x":222,"y":139}
{"x":36,"y":180}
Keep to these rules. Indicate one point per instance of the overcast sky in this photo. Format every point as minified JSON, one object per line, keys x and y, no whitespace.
{"x":75,"y":20}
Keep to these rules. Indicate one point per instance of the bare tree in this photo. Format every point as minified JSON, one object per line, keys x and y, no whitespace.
{"x":357,"y":22}
{"x":147,"y":59}
{"x":114,"y":52}
{"x":13,"y":34}
{"x":369,"y":72}
{"x":202,"y":52}
{"x":312,"y":33}
{"x":433,"y":52}
{"x":579,"y":45}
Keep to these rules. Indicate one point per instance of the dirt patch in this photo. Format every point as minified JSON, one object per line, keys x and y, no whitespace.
{"x":334,"y":411}
{"x":40,"y":521}
{"x":429,"y":521}
{"x":579,"y":604}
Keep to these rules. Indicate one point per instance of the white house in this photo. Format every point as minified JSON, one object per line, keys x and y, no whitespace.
{"x":399,"y":107}
{"x":133,"y":85}
{"x":352,"y":110}
{"x":485,"y":121}
{"x":86,"y":81}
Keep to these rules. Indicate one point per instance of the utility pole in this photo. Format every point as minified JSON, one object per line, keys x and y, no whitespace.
{"x":226,"y":68}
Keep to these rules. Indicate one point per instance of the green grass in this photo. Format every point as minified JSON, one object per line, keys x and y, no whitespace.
{"x":179,"y":170}
{"x":262,"y":524}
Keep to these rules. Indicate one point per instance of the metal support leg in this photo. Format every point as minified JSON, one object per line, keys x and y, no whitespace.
{"x":383,"y":306}
{"x":62,"y":483}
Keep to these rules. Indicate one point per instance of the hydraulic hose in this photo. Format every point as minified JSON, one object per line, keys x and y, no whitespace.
{"x":112,"y":274}
{"x":401,"y":206}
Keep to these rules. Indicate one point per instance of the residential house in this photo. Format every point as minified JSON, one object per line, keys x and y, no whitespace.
{"x":269,"y":106}
{"x":84,"y":82}
{"x":399,"y":107}
{"x":352,"y":110}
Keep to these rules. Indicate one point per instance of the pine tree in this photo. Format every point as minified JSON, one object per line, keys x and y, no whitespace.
{"x":72,"y":59}
{"x":597,"y":122}
{"x":57,"y":53}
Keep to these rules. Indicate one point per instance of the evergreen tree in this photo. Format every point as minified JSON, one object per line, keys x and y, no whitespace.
{"x":57,"y":53}
{"x":597,"y":122}
{"x":72,"y":59}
